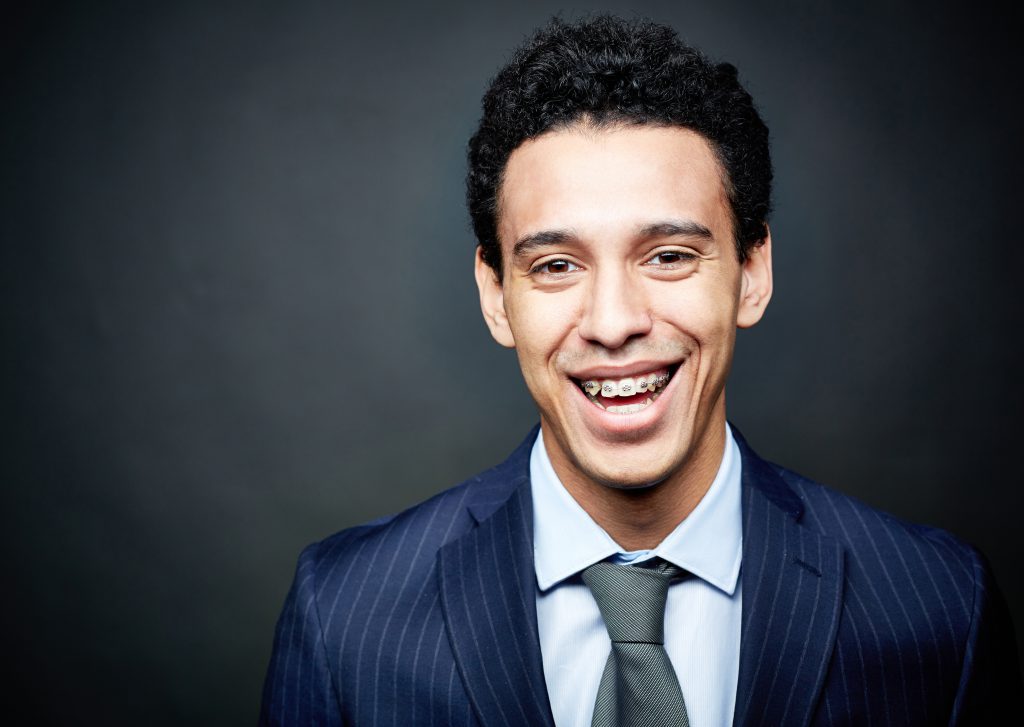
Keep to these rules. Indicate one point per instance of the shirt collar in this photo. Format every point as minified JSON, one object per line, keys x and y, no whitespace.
{"x":708,"y":543}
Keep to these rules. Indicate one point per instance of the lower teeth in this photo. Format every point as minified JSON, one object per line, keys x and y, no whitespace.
{"x":625,"y":408}
{"x":629,"y":408}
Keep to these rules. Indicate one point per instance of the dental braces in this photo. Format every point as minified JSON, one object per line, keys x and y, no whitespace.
{"x":611,"y":389}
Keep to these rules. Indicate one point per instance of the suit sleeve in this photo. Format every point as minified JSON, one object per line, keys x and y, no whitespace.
{"x":298,"y":689}
{"x":990,"y":679}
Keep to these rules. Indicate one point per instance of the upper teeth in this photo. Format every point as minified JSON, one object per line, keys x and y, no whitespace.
{"x":627,"y":386}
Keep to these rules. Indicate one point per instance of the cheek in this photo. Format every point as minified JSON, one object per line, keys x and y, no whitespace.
{"x":541,"y":324}
{"x":706,"y":312}
{"x":540,"y":321}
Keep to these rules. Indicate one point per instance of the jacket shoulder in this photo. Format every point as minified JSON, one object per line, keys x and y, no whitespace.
{"x":908,"y":589}
{"x":867,"y":532}
{"x":365,"y":576}
{"x":409,"y":540}
{"x":921,"y":593}
{"x":406,"y":542}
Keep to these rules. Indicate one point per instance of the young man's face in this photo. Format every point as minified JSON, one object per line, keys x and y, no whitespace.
{"x":620,"y":271}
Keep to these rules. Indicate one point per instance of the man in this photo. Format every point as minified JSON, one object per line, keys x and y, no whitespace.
{"x":633,"y":561}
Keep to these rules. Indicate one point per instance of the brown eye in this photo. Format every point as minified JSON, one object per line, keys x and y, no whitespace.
{"x":556,"y":267}
{"x":671,"y":257}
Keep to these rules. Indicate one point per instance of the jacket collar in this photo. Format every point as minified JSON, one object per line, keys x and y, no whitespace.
{"x":487,"y":587}
{"x":792,"y":579}
{"x":491,"y":489}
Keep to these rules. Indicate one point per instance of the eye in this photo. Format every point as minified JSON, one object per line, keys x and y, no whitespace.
{"x":557,"y":266}
{"x":671,"y":258}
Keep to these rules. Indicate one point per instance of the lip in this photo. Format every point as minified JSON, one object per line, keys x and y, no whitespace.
{"x":623,"y":371}
{"x":627,"y":426}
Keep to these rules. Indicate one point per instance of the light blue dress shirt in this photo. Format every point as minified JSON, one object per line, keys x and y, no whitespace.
{"x":702,"y":615}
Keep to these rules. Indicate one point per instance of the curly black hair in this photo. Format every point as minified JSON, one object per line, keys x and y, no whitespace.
{"x":605,"y":71}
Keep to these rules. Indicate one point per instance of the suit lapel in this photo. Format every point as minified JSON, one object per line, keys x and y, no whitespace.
{"x":488,"y":587}
{"x":792,"y":595}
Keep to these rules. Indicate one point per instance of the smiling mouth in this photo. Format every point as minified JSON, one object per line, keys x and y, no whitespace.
{"x":627,"y":395}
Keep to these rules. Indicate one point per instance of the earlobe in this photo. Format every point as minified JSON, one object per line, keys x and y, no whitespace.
{"x":492,"y":302}
{"x":756,"y":284}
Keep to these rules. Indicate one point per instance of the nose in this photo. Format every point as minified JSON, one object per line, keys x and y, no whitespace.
{"x":615,"y":309}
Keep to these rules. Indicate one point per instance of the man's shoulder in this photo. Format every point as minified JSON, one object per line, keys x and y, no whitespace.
{"x":878,"y":540}
{"x":910,"y":588}
{"x":401,"y":549}
{"x":870,"y":537}
{"x":408,"y":540}
{"x":361,"y":579}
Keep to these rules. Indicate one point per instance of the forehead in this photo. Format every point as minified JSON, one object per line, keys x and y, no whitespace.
{"x":604,"y":181}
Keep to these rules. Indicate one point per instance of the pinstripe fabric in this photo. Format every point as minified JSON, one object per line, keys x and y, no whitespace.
{"x":850,"y":616}
{"x":858,"y":618}
{"x":487,"y":593}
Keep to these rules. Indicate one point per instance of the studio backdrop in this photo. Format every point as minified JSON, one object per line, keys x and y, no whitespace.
{"x":239,"y":312}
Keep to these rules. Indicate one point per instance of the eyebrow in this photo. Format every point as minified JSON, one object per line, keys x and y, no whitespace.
{"x":676,"y":228}
{"x":667,"y":228}
{"x":529,"y":243}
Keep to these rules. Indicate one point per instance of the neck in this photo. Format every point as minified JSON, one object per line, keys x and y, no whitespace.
{"x":639,"y":518}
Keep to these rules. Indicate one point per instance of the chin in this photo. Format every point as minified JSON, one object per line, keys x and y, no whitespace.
{"x":634,"y":471}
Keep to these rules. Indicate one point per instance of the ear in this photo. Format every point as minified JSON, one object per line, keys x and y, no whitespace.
{"x":492,"y":302}
{"x":755,"y":284}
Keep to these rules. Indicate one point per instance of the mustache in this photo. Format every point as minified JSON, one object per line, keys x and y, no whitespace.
{"x":594,"y":355}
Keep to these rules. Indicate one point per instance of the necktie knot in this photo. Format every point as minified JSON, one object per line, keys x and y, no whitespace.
{"x":639,"y":687}
{"x":632,"y":599}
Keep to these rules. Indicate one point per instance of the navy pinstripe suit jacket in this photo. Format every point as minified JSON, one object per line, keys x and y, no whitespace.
{"x":850,"y":616}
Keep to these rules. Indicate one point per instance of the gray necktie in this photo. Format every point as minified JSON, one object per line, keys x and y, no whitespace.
{"x":639,"y":686}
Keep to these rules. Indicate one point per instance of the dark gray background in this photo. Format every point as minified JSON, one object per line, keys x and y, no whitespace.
{"x":239,"y":312}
